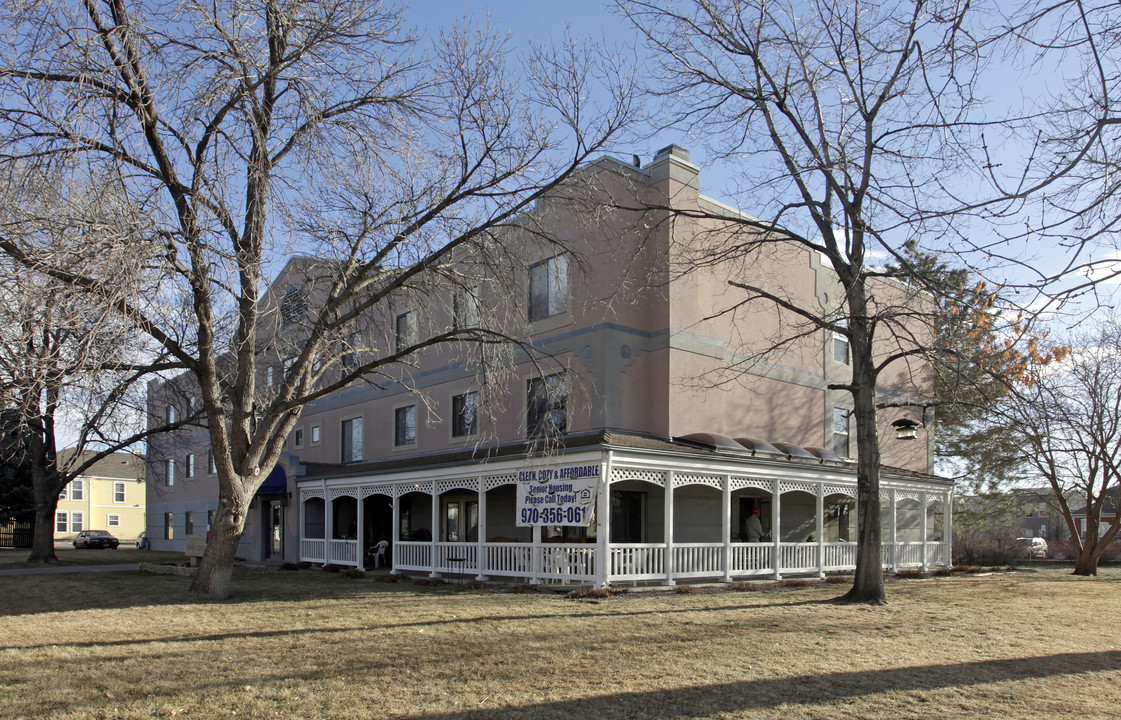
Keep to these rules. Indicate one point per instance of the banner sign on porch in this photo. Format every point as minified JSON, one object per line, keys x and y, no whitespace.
{"x":564,"y":495}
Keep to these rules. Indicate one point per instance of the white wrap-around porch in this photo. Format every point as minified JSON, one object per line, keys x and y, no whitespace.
{"x":676,"y":517}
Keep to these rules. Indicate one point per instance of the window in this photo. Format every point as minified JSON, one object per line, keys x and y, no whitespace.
{"x":841,"y":431}
{"x":465,"y":309}
{"x":62,"y":495}
{"x":314,"y":434}
{"x":168,"y":529}
{"x":269,"y":376}
{"x":840,"y":348}
{"x":547,"y":406}
{"x":209,"y":520}
{"x":189,"y":466}
{"x":188,"y":523}
{"x":60,"y":522}
{"x":169,"y":472}
{"x":465,"y":414}
{"x":352,"y":439}
{"x":112,"y":520}
{"x":350,"y":358}
{"x":118,"y":492}
{"x":293,"y":306}
{"x":298,"y":438}
{"x":406,"y":330}
{"x":548,"y":288}
{"x":171,"y":415}
{"x":76,"y":520}
{"x":76,"y":490}
{"x":211,"y":466}
{"x":404,"y":425}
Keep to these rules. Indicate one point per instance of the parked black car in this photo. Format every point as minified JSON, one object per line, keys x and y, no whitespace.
{"x":96,"y":539}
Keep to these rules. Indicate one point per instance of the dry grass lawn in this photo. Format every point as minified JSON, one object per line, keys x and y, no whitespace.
{"x":311,"y":644}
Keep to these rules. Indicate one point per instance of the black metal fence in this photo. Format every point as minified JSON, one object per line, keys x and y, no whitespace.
{"x":15,"y":535}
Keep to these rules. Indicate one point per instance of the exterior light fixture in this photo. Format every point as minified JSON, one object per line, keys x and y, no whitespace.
{"x":906,"y":429}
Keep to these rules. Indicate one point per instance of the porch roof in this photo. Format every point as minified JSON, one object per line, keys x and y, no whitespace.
{"x":606,"y":438}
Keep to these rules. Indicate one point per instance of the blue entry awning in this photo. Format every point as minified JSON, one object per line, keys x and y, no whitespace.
{"x":275,"y":484}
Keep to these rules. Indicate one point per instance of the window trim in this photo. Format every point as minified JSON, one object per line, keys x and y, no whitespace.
{"x":343,"y":439}
{"x":77,"y":525}
{"x":541,"y":431}
{"x":552,"y":290}
{"x":416,"y":426}
{"x":465,"y":308}
{"x":77,"y":489}
{"x":119,"y":484}
{"x":65,"y":524}
{"x":113,"y":520}
{"x":454,"y":424}
{"x":316,"y":435}
{"x":402,"y":341}
{"x":847,"y":434}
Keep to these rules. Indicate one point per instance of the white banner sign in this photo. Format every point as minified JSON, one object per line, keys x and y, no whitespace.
{"x":564,"y":495}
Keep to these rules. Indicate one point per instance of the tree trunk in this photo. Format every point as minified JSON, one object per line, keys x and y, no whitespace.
{"x":1086,"y":559}
{"x":212,"y":580}
{"x":868,"y":581}
{"x":44,"y":486}
{"x":42,"y":539}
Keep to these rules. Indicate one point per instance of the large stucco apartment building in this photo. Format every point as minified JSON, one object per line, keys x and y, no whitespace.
{"x":667,"y":425}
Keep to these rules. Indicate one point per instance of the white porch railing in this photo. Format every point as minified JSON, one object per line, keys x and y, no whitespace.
{"x":508,"y":559}
{"x":694,"y":560}
{"x":637,"y":561}
{"x":910,"y":554}
{"x":567,"y":562}
{"x":798,"y":557}
{"x":626,"y":561}
{"x":752,"y":559}
{"x":840,"y":556}
{"x":342,"y":552}
{"x":313,"y":550}
{"x":412,"y":555}
{"x":456,"y":557}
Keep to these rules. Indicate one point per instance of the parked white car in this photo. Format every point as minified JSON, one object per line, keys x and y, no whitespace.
{"x":1031,"y":547}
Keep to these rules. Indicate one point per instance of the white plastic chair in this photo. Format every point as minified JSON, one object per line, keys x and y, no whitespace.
{"x":379,"y":553}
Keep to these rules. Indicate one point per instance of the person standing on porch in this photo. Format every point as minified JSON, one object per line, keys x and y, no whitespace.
{"x":754,"y":526}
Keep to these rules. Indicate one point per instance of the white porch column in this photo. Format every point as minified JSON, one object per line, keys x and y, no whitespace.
{"x":360,"y":535}
{"x":302,"y":519}
{"x":668,"y":530}
{"x":535,"y":556}
{"x":776,"y":529}
{"x":948,"y":527}
{"x":894,"y":534}
{"x":603,"y":524}
{"x":821,"y":530}
{"x":922,"y":499}
{"x":726,"y":527}
{"x":481,"y":552}
{"x":435,"y":531}
{"x":396,"y":532}
{"x":328,"y":525}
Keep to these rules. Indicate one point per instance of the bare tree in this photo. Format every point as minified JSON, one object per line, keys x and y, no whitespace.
{"x":1068,"y":421}
{"x":845,"y":119}
{"x":70,"y":369}
{"x":253,"y":131}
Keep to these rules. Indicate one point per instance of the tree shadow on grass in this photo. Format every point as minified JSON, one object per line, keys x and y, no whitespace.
{"x":805,"y":690}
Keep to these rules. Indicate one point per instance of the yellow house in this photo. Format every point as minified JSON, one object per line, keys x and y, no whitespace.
{"x":109,"y":496}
